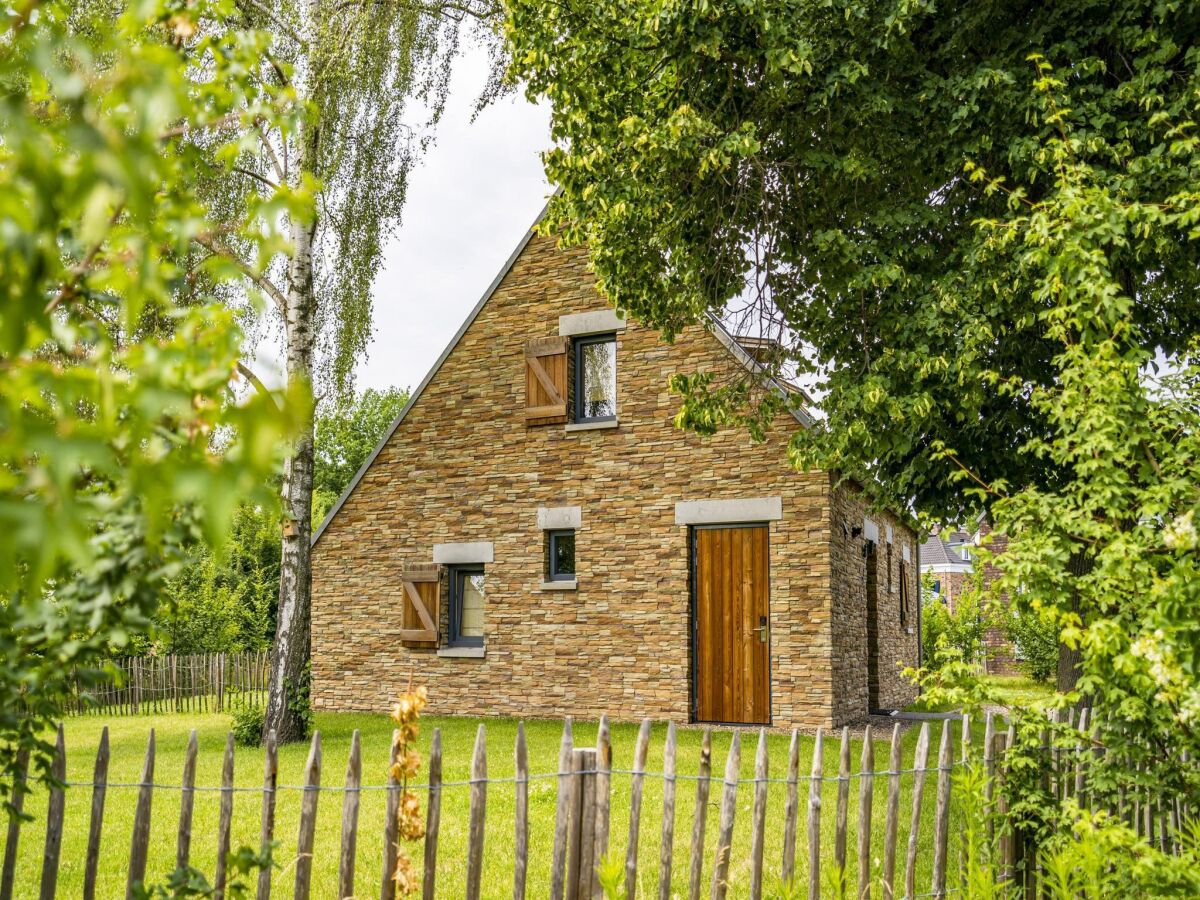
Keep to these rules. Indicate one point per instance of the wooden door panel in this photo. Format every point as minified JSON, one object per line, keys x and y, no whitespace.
{"x":731,"y":577}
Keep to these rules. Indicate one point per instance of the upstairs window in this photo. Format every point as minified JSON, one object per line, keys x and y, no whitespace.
{"x":596,"y":378}
{"x":466,"y":606}
{"x":561,"y":555}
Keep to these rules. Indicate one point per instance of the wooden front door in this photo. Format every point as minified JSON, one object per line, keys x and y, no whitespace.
{"x":731,"y":616}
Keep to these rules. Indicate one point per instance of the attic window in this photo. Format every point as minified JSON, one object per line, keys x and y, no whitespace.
{"x":596,"y":378}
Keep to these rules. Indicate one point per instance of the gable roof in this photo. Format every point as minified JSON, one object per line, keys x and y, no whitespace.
{"x":714,"y":325}
{"x":938,"y":552}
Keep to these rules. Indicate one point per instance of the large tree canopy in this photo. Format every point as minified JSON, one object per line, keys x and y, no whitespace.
{"x":830,"y":163}
{"x":976,"y":225}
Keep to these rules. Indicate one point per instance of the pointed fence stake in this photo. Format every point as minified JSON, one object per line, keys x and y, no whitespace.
{"x":941,"y":819}
{"x":477,"y":815}
{"x":225,"y":821}
{"x":866,"y":788}
{"x":635,"y":807}
{"x":700,"y":816}
{"x":350,"y":800}
{"x":433,"y":816}
{"x":758,"y":816}
{"x":187,"y":801}
{"x":521,"y":829}
{"x":733,"y":765}
{"x":791,"y":811}
{"x":603,"y":796}
{"x":843,"y":810}
{"x":667,"y":844}
{"x":815,"y":783}
{"x":308,"y":819}
{"x":95,"y":828}
{"x":8,"y":873}
{"x":267,"y":820}
{"x":892,"y":826}
{"x":558,"y":862}
{"x":141,"y":823}
{"x":914,"y":831}
{"x":387,"y":888}
{"x":54,"y":819}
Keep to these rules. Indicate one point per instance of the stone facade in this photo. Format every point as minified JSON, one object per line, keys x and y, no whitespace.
{"x":463,"y":466}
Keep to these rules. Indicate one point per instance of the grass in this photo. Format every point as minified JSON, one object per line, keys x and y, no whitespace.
{"x":1013,"y":691}
{"x":128,"y":742}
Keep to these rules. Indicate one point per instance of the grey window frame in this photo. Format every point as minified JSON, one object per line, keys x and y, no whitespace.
{"x":552,"y":538}
{"x":578,"y":345}
{"x":456,"y":574}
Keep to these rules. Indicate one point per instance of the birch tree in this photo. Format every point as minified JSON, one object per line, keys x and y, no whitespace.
{"x":370,"y":78}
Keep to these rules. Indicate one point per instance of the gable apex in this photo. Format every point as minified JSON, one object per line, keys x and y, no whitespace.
{"x":605,"y":320}
{"x":433,"y":370}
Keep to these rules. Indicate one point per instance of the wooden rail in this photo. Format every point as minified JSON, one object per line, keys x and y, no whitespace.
{"x":582,"y":815}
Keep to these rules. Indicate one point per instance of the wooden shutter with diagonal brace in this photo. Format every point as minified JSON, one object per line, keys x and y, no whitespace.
{"x":546,"y":380}
{"x":419,"y":621}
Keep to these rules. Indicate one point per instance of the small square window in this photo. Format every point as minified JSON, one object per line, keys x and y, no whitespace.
{"x":596,"y":378}
{"x":466,"y":606}
{"x":561,"y":556}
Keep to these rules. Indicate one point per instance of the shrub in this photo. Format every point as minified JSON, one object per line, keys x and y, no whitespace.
{"x":248,"y":726}
{"x":961,"y":629}
{"x":1036,"y":639}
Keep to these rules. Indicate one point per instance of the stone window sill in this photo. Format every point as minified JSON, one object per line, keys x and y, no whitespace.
{"x":559,"y":585}
{"x":592,"y":426}
{"x":462,"y":652}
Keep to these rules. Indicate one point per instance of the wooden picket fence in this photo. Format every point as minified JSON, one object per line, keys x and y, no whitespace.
{"x":195,"y":682}
{"x":582,"y":815}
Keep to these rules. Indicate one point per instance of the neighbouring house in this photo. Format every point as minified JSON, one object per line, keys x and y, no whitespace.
{"x":535,"y":537}
{"x":948,"y":557}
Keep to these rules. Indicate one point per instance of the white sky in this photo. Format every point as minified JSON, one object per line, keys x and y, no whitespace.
{"x":469,"y":203}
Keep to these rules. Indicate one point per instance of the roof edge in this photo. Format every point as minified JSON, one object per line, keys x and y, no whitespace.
{"x":714,"y":325}
{"x":416,"y":394}
{"x":752,"y":365}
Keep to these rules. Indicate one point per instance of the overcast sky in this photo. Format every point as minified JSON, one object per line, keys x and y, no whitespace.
{"x":469,"y":203}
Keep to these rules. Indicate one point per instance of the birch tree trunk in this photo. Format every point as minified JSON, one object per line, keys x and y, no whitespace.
{"x":288,"y":698}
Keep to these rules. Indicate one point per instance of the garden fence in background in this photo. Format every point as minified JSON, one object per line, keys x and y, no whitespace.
{"x":195,"y":682}
{"x":581,"y":826}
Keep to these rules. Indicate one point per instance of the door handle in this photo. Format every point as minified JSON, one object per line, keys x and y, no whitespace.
{"x":762,"y":629}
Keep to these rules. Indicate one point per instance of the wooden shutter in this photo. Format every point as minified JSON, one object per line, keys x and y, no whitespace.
{"x":903,"y":594}
{"x":546,"y":380}
{"x":419,"y":622}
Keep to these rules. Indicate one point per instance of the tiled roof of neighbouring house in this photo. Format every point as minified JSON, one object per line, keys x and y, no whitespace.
{"x":938,"y":552}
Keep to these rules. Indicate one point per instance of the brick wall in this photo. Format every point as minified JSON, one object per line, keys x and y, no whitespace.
{"x":1000,"y":655}
{"x":463,"y":466}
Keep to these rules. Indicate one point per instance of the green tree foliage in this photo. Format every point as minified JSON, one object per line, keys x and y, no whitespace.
{"x":370,"y":81}
{"x":223,"y":599}
{"x":961,"y":628}
{"x":1035,"y":637}
{"x":976,"y":226}
{"x":346,"y":433}
{"x":120,"y":448}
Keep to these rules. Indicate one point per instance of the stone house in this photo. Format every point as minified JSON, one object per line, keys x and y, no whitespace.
{"x":535,"y":537}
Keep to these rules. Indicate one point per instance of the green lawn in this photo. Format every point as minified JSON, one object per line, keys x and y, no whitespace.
{"x":1015,"y":691}
{"x":128,"y":740}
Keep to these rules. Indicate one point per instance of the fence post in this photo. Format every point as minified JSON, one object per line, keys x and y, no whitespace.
{"x":581,"y":845}
{"x":20,"y":789}
{"x":99,"y":787}
{"x":733,"y":764}
{"x":54,"y":819}
{"x":558,"y":863}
